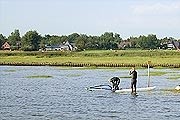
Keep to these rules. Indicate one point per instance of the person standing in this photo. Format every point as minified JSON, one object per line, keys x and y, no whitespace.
{"x":133,"y":79}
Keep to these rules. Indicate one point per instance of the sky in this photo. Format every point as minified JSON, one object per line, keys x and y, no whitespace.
{"x":92,"y":17}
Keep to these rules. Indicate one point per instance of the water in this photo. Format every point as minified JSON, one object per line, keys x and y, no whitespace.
{"x":63,"y":95}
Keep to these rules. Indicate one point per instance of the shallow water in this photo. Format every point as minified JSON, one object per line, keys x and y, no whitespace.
{"x":63,"y":95}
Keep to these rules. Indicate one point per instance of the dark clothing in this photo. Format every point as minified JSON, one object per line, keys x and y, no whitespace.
{"x":134,"y":74}
{"x":115,"y":82}
{"x":133,"y":80}
{"x":133,"y":84}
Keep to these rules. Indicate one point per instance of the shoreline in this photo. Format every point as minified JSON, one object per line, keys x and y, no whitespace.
{"x":111,"y":65}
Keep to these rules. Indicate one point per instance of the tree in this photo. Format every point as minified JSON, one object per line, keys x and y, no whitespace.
{"x":117,"y":40}
{"x":14,"y":39}
{"x":81,"y":41}
{"x":117,"y":37}
{"x":54,"y":40}
{"x":31,"y":41}
{"x":153,"y":42}
{"x":64,"y":38}
{"x":109,"y":41}
{"x":133,"y":41}
{"x":92,"y":42}
{"x":2,"y":40}
{"x":71,"y":38}
{"x":149,"y":42}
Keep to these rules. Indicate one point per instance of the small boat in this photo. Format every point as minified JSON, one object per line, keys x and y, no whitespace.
{"x":177,"y":87}
{"x":138,"y":89}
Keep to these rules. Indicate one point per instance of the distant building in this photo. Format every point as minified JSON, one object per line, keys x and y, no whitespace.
{"x":67,"y":46}
{"x":173,"y":45}
{"x":176,"y":44}
{"x":6,"y":46}
{"x":124,"y":44}
{"x":52,"y":47}
{"x":170,"y":45}
{"x":62,"y":47}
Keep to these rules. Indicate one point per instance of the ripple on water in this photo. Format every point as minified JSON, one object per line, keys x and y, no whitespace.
{"x":63,"y":96}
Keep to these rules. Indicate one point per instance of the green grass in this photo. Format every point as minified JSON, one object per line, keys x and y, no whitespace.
{"x":93,"y":57}
{"x":156,"y":73}
{"x":125,"y":77}
{"x":170,"y":90}
{"x":39,"y":76}
{"x":95,"y":53}
{"x":73,"y":75}
{"x":174,"y":77}
{"x":93,"y":60}
{"x":10,"y":70}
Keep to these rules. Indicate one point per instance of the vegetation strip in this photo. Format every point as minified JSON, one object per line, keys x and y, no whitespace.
{"x":93,"y":58}
{"x":39,"y":76}
{"x":87,"y":65}
{"x":34,"y":41}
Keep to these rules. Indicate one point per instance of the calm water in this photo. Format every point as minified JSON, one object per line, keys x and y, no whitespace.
{"x":64,"y":97}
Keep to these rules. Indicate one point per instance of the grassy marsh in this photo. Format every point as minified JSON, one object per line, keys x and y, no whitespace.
{"x":176,"y":77}
{"x":39,"y":76}
{"x":10,"y":70}
{"x":127,"y":57}
{"x":156,"y":73}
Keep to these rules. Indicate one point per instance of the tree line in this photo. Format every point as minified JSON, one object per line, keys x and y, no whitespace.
{"x":33,"y":41}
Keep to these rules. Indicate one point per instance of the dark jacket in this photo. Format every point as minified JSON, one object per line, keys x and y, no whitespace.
{"x":134,"y":74}
{"x":115,"y":80}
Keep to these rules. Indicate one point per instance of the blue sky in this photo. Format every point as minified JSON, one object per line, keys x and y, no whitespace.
{"x":92,"y":17}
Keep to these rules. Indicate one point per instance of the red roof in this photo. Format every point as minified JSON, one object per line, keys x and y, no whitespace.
{"x":6,"y":46}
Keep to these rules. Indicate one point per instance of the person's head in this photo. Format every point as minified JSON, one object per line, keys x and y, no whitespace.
{"x":133,"y":68}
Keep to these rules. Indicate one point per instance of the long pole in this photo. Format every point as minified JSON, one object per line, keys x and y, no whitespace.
{"x":148,"y":75}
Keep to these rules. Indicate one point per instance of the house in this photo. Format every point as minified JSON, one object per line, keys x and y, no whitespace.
{"x":52,"y":47}
{"x":66,"y":46}
{"x":176,"y":44}
{"x":170,"y":45}
{"x":6,"y":46}
{"x":173,"y":45}
{"x":124,"y":44}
